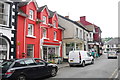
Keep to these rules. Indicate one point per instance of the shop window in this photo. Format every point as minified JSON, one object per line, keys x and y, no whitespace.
{"x":30,"y":50}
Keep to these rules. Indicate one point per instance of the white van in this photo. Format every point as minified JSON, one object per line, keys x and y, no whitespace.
{"x":78,"y":57}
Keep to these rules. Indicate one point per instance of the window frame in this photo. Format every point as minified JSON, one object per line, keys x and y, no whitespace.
{"x":44,"y":20}
{"x":55,"y":35}
{"x":31,"y":13}
{"x":54,"y":24}
{"x":32,"y":33}
{"x":6,"y":14}
{"x":44,"y":33}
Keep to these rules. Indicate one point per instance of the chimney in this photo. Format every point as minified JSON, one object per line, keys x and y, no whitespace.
{"x":67,"y":17}
{"x":83,"y":18}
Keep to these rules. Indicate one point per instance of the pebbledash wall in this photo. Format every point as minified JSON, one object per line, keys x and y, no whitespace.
{"x":7,"y":30}
{"x":38,"y":33}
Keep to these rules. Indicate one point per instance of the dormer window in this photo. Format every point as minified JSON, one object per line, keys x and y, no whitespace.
{"x":54,"y":24}
{"x":31,"y":14}
{"x":55,"y":35}
{"x":44,"y":19}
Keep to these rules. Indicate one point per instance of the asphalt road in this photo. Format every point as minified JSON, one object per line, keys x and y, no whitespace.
{"x":102,"y":68}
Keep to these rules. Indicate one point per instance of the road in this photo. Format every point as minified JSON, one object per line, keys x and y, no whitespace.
{"x":102,"y":68}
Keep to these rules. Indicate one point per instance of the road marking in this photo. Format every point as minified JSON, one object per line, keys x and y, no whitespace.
{"x":116,"y":76}
{"x":114,"y":73}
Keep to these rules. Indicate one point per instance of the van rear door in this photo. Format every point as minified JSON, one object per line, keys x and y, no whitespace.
{"x":74,"y":57}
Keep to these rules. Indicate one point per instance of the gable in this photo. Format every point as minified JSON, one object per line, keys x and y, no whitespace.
{"x":45,"y":11}
{"x":55,"y":16}
{"x":32,"y":5}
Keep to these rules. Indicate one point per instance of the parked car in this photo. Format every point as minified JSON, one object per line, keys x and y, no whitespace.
{"x":80,"y":58}
{"x":25,"y":69}
{"x":112,"y":54}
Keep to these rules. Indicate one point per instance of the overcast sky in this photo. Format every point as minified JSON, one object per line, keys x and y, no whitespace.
{"x":103,"y":13}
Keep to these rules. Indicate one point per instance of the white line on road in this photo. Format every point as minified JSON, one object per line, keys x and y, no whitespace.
{"x":114,"y":73}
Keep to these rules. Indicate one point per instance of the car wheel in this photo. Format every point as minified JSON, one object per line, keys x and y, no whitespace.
{"x":92,"y":62}
{"x":53,"y":72}
{"x":83,"y":64}
{"x":21,"y":77}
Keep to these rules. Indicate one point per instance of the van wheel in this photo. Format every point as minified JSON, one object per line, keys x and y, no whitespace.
{"x":21,"y":77}
{"x":92,"y":62}
{"x":83,"y":64}
{"x":71,"y":65}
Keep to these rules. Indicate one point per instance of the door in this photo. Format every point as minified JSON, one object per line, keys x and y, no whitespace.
{"x":88,"y":58}
{"x":31,"y":69}
{"x":42,"y":68}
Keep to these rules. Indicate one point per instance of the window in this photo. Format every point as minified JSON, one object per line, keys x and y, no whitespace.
{"x":80,"y":34}
{"x":55,"y":35}
{"x":4,"y":13}
{"x":39,"y":62}
{"x":54,"y":24}
{"x":76,"y":32}
{"x":44,"y":19}
{"x":31,"y":14}
{"x":30,"y":29}
{"x":44,"y":33}
{"x":30,"y":50}
{"x":19,"y":64}
{"x":29,"y":62}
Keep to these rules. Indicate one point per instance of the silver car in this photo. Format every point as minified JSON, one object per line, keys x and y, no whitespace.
{"x":112,"y":54}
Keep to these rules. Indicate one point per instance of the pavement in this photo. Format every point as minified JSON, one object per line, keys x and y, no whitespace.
{"x":65,"y":64}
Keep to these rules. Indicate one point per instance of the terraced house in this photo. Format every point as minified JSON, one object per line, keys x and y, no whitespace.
{"x":75,"y":36}
{"x":38,"y":33}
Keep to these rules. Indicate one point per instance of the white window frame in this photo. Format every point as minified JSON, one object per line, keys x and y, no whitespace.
{"x":44,"y":20}
{"x":76,"y":32}
{"x":31,"y":14}
{"x":32,"y":33}
{"x":44,"y":33}
{"x":54,"y":24}
{"x":55,"y":35}
{"x":5,"y":13}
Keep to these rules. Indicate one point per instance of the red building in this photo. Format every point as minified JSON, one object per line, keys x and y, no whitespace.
{"x":38,"y":33}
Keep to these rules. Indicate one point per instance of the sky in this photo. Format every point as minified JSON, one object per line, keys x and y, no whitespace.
{"x":103,"y":13}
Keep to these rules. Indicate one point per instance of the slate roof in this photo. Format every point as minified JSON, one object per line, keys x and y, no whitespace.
{"x":22,"y":13}
{"x":113,"y":41}
{"x":22,"y":4}
{"x":61,"y":26}
{"x":74,"y":22}
{"x":41,"y":8}
{"x":51,"y":13}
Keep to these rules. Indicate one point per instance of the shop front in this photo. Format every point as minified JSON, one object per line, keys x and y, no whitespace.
{"x":50,"y":52}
